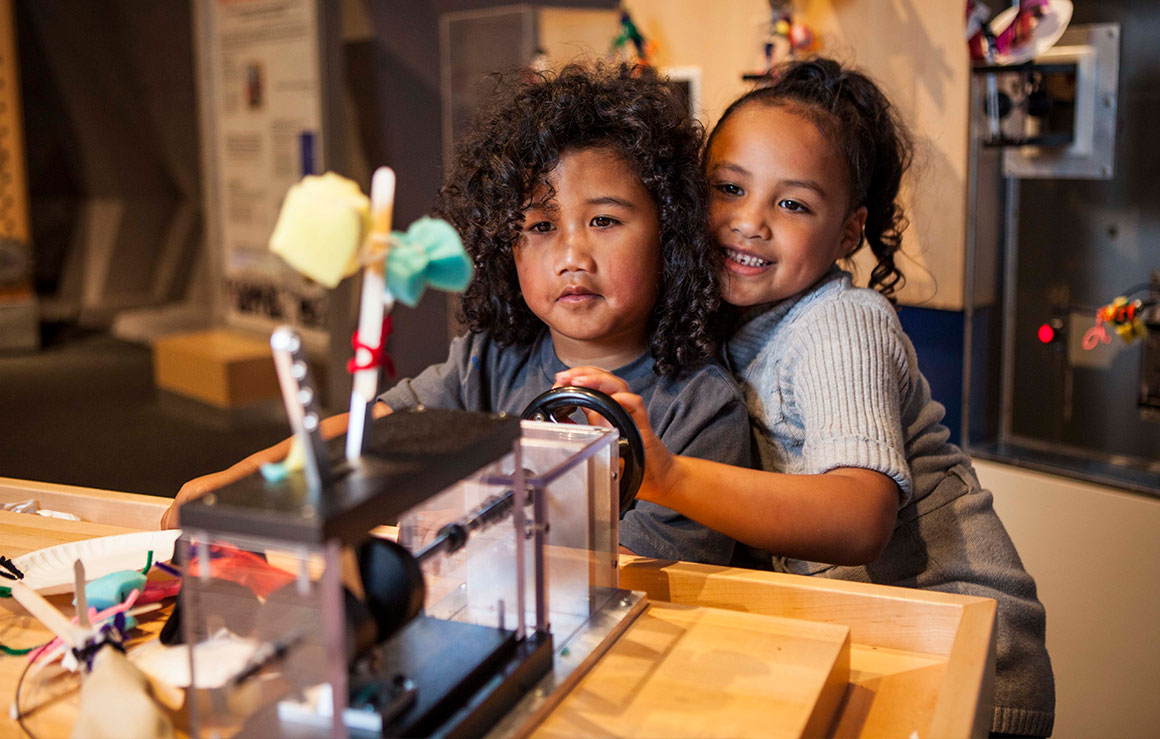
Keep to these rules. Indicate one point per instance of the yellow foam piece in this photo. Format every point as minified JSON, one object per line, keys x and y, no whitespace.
{"x":296,"y":457}
{"x":323,"y":222}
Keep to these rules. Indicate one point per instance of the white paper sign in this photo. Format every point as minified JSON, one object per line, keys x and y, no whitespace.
{"x":266,"y":98}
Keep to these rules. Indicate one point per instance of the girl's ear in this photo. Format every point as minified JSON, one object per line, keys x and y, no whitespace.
{"x":852,"y":231}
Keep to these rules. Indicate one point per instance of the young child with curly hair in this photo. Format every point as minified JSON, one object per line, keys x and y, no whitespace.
{"x":580,"y":200}
{"x":858,"y":479}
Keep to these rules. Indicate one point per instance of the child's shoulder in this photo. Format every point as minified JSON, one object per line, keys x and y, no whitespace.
{"x":836,"y":309}
{"x":711,"y":381}
{"x":833,"y":313}
{"x":837,"y":297}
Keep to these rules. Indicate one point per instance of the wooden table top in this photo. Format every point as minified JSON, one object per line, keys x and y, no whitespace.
{"x":918,"y":661}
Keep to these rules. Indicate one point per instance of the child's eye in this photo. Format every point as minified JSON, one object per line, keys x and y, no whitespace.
{"x":603,"y":221}
{"x":793,"y":206}
{"x":541,"y":227}
{"x":729,"y":188}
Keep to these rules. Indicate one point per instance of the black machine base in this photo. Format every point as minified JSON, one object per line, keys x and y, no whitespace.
{"x":446,"y":678}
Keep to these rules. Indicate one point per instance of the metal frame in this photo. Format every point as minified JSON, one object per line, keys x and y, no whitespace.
{"x":1095,"y":49}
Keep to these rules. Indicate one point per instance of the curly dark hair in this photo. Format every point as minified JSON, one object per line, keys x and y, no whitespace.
{"x":851,"y":110}
{"x":516,"y":141}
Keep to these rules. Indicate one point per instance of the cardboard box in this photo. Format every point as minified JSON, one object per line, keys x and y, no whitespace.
{"x":221,"y":367}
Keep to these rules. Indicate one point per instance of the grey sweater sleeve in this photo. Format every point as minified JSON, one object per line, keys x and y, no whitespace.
{"x":846,"y":376}
{"x":440,"y":385}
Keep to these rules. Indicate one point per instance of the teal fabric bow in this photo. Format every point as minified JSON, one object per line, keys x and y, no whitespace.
{"x":430,"y":253}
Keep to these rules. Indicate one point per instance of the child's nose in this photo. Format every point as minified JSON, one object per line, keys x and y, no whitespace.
{"x":575,"y":254}
{"x":750,"y":222}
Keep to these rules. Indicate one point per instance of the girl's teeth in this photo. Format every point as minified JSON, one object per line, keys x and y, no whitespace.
{"x":745,"y":259}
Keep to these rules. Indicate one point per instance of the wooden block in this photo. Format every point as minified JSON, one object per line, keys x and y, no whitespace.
{"x":220,"y":367}
{"x":681,"y":671}
{"x":925,"y":662}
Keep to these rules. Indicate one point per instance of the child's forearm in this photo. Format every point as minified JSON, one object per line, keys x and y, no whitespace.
{"x":329,"y":428}
{"x":845,"y":516}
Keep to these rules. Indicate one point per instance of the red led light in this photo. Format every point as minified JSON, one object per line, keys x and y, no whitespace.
{"x":1046,"y":333}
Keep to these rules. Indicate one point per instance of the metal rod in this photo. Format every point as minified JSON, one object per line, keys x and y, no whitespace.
{"x":519,"y":522}
{"x":453,"y":536}
{"x":1010,"y":270}
{"x":970,"y":289}
{"x":301,"y":399}
{"x":539,"y":543}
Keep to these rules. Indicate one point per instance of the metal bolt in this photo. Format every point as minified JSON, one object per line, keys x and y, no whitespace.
{"x":210,"y":499}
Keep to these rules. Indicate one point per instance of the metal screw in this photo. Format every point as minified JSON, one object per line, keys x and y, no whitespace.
{"x":1108,"y":101}
{"x":210,"y":499}
{"x":624,"y":602}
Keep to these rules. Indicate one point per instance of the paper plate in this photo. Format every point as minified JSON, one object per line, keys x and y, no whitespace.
{"x":50,"y":571}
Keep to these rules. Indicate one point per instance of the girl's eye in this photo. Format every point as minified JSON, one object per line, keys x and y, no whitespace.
{"x":603,"y":221}
{"x":793,"y":206}
{"x":730,"y":189}
{"x":540,"y":227}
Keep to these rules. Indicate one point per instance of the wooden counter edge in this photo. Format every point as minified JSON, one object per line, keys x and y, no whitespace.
{"x":129,"y":510}
{"x":969,"y":683}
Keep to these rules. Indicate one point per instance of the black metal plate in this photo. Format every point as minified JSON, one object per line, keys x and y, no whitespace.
{"x":411,"y":455}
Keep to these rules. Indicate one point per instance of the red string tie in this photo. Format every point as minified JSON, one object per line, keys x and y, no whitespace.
{"x":378,"y":357}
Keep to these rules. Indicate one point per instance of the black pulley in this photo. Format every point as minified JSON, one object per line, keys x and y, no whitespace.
{"x":546,"y":406}
{"x":392,"y":582}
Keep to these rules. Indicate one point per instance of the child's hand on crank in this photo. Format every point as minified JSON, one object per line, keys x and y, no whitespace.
{"x":658,"y":460}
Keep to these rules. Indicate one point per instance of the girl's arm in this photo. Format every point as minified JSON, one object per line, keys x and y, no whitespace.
{"x":845,"y":516}
{"x":199,"y":486}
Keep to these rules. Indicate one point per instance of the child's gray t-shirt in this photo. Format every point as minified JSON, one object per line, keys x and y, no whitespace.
{"x":700,"y":414}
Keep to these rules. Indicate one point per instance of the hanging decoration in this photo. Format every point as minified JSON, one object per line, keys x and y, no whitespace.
{"x":1125,"y":316}
{"x":643,"y":48}
{"x":1018,"y":34}
{"x":781,"y":39}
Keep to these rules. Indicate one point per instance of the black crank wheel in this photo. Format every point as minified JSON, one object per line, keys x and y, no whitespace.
{"x":631,"y":447}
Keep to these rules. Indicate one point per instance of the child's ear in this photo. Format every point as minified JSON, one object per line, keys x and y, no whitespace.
{"x":852,"y":231}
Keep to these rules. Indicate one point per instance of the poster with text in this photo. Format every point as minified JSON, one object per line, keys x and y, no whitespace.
{"x":263,"y":59}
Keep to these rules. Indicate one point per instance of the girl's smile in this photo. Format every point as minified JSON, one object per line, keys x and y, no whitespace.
{"x":779,"y":204}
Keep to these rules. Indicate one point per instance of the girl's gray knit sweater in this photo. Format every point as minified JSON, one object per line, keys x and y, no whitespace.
{"x":832,"y":381}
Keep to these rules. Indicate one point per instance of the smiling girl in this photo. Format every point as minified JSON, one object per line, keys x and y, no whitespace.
{"x":858,"y":481}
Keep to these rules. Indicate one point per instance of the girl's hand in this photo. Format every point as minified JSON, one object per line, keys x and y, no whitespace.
{"x":659,"y":462}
